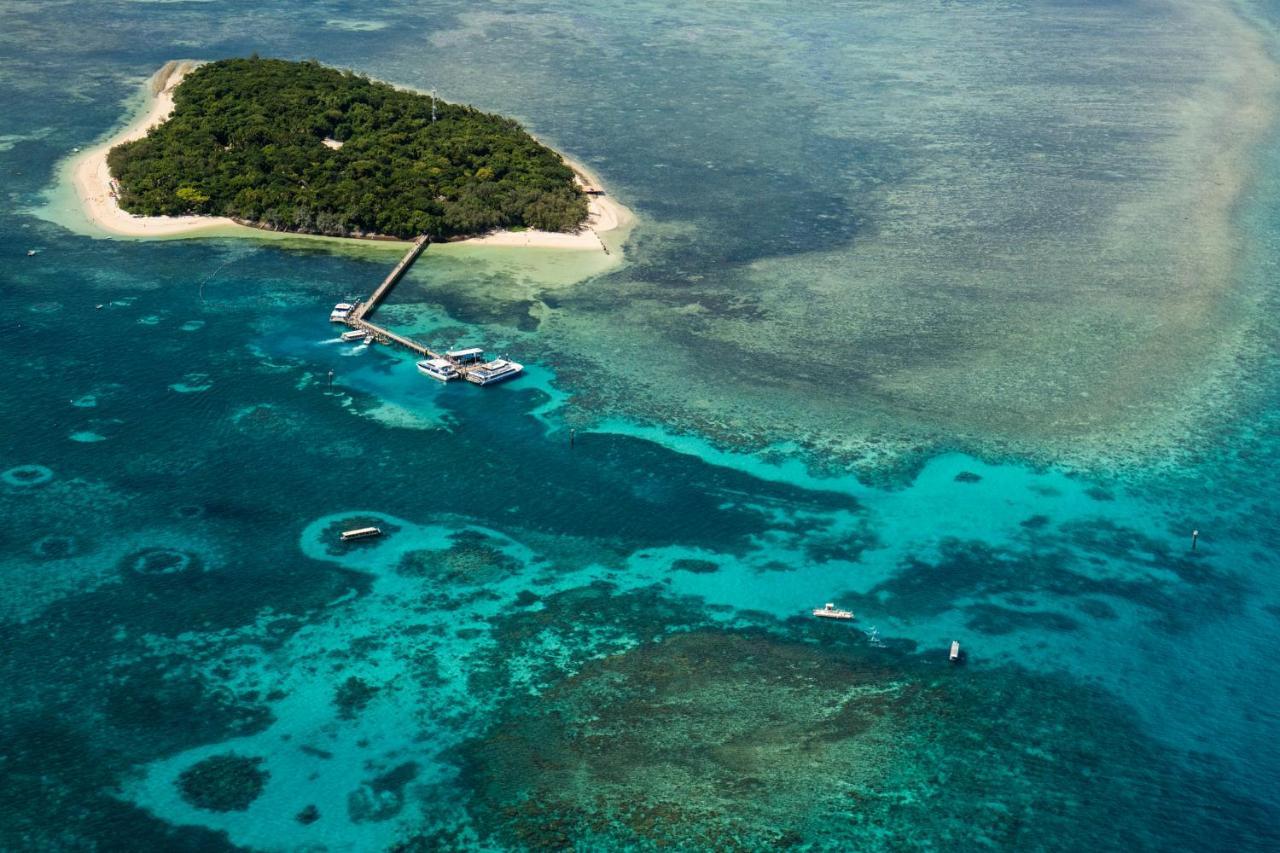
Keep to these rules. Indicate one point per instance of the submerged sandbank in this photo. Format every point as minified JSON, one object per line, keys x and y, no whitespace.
{"x":95,"y":209}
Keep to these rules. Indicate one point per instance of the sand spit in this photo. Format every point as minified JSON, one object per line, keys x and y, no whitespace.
{"x":91,"y":180}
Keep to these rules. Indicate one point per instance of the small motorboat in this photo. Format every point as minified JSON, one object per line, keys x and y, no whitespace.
{"x":955,"y":651}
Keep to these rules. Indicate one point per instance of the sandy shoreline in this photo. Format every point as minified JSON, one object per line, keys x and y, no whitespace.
{"x":90,"y":179}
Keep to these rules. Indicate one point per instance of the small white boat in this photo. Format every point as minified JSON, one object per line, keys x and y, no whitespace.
{"x":438,"y":368}
{"x":830,"y":611}
{"x":361,"y":533}
{"x":369,"y":340}
{"x":498,"y":370}
{"x":31,"y":253}
{"x":353,"y":335}
{"x":955,"y":651}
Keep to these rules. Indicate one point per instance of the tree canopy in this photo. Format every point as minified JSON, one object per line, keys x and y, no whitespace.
{"x":256,"y":139}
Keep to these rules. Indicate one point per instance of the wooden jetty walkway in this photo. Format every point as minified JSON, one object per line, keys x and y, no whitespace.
{"x":386,"y":336}
{"x":392,"y":279}
{"x":465,"y":364}
{"x":356,"y":319}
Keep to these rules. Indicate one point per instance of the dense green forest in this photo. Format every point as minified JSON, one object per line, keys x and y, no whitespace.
{"x":247,"y":140}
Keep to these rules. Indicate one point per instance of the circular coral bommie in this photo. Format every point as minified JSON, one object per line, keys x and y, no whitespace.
{"x":223,"y":783}
{"x":55,"y":547}
{"x":27,"y":475}
{"x":161,"y":561}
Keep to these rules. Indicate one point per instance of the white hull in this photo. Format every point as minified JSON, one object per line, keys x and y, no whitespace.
{"x":437,"y":370}
{"x":494,"y":372}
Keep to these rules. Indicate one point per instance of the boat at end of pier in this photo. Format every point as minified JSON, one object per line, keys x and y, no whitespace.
{"x":498,"y":370}
{"x":341,"y":312}
{"x":352,"y":336}
{"x":438,"y":368}
{"x":830,"y":611}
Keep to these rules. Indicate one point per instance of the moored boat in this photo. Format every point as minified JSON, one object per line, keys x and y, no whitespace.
{"x":353,"y":335}
{"x":498,"y":370}
{"x":438,"y":368}
{"x":341,"y":312}
{"x":361,"y":533}
{"x":830,"y":611}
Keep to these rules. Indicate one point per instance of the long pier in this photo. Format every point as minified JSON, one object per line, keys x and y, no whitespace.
{"x":392,"y":279}
{"x":356,"y":316}
{"x":386,"y":336}
{"x":356,"y":319}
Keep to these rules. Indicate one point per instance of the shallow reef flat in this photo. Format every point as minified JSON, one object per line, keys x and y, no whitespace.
{"x":994,"y":226}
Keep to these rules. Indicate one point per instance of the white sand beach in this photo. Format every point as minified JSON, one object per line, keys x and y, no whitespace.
{"x":91,"y":181}
{"x":604,"y":215}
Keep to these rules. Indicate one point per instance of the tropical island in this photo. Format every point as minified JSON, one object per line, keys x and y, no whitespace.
{"x":297,"y":146}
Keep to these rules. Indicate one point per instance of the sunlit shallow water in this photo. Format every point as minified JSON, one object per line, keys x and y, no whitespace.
{"x":605,"y":641}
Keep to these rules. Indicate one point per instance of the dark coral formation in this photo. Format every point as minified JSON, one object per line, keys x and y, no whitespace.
{"x":353,"y":696}
{"x":381,"y":798}
{"x":697,"y":567}
{"x":473,"y":559}
{"x":223,"y":783}
{"x":742,"y":741}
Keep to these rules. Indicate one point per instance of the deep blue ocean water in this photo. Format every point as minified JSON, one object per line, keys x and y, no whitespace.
{"x":605,"y":644}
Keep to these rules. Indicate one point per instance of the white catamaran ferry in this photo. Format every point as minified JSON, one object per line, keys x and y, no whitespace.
{"x":340,"y":312}
{"x":438,"y":368}
{"x":830,"y":611}
{"x":498,"y":370}
{"x":352,"y":336}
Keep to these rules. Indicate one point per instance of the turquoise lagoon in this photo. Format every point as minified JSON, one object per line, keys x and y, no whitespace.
{"x":959,"y":315}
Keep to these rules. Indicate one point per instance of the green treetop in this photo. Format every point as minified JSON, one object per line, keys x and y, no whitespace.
{"x":247,"y":139}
